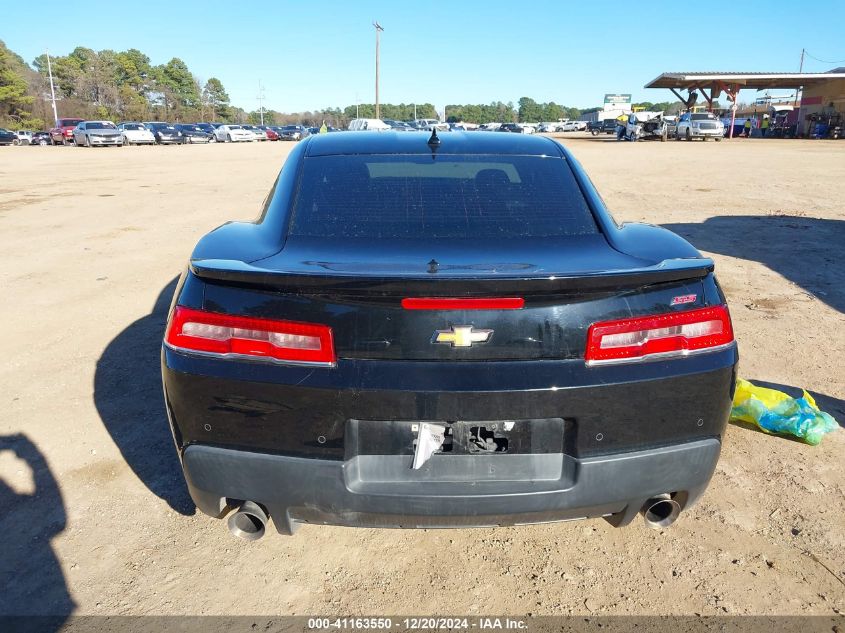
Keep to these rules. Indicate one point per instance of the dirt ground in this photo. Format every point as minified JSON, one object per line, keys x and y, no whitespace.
{"x":94,"y":515}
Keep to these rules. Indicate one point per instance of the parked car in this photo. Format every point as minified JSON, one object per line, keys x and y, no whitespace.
{"x":399,"y":126}
{"x":24,"y":137}
{"x":510,"y":127}
{"x":549,"y":127}
{"x":257,"y":133}
{"x":135,"y":133}
{"x":192,"y":133}
{"x":359,"y":125}
{"x":7,"y":137}
{"x":294,"y":132}
{"x":516,"y":358}
{"x":574,"y":126}
{"x":701,"y":125}
{"x":489,"y":127}
{"x":40,"y":138}
{"x":605,"y":126}
{"x":62,"y":134}
{"x":164,"y":133}
{"x":429,"y":124}
{"x":231,"y":133}
{"x":272,"y":135}
{"x":97,"y":133}
{"x":209,"y":129}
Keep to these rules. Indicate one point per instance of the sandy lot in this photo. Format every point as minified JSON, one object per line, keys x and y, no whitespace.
{"x":94,"y":515}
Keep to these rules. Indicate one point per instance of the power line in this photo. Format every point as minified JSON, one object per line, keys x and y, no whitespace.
{"x":824,"y":61}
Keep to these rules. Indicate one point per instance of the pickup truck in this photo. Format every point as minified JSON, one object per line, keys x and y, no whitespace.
{"x":606,"y":126}
{"x":62,"y":134}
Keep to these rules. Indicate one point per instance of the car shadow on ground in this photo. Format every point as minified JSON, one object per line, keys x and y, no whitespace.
{"x":33,"y":592}
{"x":128,"y":397}
{"x":804,"y":250}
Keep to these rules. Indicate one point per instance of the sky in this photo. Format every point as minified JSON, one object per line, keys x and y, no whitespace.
{"x":311,"y":55}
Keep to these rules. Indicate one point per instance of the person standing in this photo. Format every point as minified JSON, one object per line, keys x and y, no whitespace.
{"x":764,"y":126}
{"x":323,"y":128}
{"x":747,"y":127}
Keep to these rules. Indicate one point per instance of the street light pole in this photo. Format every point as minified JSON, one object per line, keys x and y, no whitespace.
{"x":379,"y":29}
{"x":52,"y":90}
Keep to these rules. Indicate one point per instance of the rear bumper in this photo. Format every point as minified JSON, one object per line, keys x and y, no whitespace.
{"x":448,"y":491}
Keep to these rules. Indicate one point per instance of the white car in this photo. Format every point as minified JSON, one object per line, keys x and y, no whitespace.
{"x":357,"y":125}
{"x":232,"y":133}
{"x":136,"y":134}
{"x":701,"y":125}
{"x":574,"y":126}
{"x":24,"y":137}
{"x":257,"y":133}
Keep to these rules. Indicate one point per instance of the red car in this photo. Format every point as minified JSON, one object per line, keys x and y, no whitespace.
{"x":271,"y":133}
{"x":62,"y":134}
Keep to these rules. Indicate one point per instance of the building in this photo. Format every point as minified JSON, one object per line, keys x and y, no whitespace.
{"x":615,"y":105}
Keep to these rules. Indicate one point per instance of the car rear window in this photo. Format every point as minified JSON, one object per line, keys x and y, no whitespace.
{"x":468,"y":196}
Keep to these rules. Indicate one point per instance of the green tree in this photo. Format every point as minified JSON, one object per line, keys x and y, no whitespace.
{"x":15,"y":100}
{"x":215,"y":97}
{"x":530,"y":110}
{"x":177,"y":78}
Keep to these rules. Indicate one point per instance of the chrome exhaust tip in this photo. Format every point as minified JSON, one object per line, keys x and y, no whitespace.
{"x":248,"y":522}
{"x":660,"y":512}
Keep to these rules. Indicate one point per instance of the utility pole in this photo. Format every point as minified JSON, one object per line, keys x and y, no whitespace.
{"x":379,"y":29}
{"x":52,"y":89}
{"x":261,"y":101}
{"x":800,"y":92}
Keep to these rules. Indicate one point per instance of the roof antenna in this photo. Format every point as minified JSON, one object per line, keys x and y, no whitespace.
{"x":433,"y":140}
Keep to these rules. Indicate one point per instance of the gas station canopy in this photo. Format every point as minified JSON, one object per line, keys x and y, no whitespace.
{"x":758,"y":81}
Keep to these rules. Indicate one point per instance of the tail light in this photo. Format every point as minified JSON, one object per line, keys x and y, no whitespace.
{"x":229,"y":335}
{"x":660,"y":336}
{"x":458,"y":303}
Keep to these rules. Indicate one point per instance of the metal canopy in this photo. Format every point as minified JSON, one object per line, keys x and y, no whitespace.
{"x":732,"y":83}
{"x":759,"y":81}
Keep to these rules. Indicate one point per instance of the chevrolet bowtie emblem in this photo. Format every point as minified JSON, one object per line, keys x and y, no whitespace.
{"x":461,"y":336}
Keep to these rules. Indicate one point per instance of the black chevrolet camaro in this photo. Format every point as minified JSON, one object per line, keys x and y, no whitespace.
{"x":443,"y":332}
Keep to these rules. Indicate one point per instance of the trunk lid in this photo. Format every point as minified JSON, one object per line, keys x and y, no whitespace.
{"x":356,"y":287}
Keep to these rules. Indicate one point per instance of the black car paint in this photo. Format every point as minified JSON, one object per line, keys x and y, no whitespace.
{"x":187,"y":130}
{"x":532,"y":369}
{"x":7,"y":137}
{"x":165,"y":133}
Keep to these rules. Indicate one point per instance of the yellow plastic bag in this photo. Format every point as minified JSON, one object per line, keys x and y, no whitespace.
{"x":776,"y":412}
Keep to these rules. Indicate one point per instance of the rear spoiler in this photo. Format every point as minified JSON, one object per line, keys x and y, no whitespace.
{"x":421,"y":284}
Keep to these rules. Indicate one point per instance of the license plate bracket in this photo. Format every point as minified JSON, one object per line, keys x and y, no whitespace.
{"x":462,"y":437}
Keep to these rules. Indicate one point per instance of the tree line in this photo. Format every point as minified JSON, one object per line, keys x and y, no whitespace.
{"x":126,"y":86}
